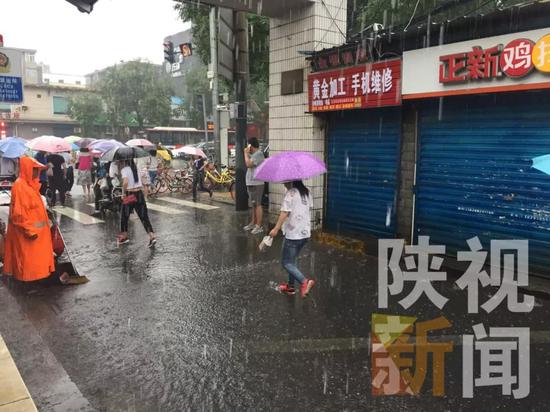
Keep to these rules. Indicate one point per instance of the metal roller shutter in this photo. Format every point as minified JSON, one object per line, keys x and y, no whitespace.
{"x":475,"y":176}
{"x":363,"y":155}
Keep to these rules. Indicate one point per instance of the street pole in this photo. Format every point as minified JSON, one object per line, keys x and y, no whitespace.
{"x":205,"y":121}
{"x":241,"y":83}
{"x":214,"y":63}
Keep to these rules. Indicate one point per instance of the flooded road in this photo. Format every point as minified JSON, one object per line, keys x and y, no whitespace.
{"x":194,"y":325}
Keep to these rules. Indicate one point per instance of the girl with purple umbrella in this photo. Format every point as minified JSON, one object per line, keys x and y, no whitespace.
{"x":290,"y":168}
{"x":295,"y":222}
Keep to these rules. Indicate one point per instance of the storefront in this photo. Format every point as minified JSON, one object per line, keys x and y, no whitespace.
{"x":483,"y":114}
{"x":362,"y":106}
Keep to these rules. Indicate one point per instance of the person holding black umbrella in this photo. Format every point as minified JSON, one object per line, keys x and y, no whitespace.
{"x":133,"y":198}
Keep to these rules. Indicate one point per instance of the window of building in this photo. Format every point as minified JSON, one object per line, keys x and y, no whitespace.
{"x":5,"y":108}
{"x":61,"y":81}
{"x":60,"y":105}
{"x":78,"y":82}
{"x":38,"y":96}
{"x":292,"y":82}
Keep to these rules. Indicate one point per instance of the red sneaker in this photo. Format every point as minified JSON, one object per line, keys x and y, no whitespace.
{"x":285,"y":288}
{"x":306,"y":287}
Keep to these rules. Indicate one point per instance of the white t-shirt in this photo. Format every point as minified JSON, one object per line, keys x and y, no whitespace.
{"x":298,"y":224}
{"x":113,"y":170}
{"x":152,"y":163}
{"x":126,"y":173}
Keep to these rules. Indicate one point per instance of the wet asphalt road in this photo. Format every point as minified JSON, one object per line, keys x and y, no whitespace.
{"x":193,"y":325}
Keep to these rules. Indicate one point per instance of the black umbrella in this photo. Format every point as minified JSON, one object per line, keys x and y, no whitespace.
{"x":124,"y":153}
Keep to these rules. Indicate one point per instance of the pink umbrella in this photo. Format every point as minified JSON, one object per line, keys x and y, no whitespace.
{"x":288,"y":166}
{"x":189,"y":150}
{"x":140,"y":142}
{"x":50,"y":144}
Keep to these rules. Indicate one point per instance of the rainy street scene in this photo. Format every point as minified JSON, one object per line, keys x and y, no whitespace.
{"x":291,"y":205}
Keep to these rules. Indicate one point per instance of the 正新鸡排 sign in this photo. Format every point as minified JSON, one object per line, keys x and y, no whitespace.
{"x":512,"y":62}
{"x":359,"y":87}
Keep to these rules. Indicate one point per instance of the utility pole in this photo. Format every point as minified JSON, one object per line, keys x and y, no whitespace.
{"x":205,"y":121}
{"x":241,"y":83}
{"x":214,"y":79}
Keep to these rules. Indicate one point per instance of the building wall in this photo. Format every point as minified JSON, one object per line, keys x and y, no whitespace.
{"x":290,"y":127}
{"x":406,"y":177}
{"x":35,"y":116}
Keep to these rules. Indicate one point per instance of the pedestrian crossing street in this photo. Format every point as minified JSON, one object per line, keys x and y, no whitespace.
{"x":159,"y":206}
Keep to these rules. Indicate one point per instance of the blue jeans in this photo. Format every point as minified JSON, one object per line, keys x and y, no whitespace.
{"x":291,"y":250}
{"x":152,"y":177}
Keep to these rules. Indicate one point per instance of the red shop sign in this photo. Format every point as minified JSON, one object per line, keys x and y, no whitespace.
{"x":358,"y":87}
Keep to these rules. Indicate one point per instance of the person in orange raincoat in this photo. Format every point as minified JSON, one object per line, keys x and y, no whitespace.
{"x":29,"y":248}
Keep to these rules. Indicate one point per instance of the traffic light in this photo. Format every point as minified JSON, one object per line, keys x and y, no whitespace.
{"x":186,"y":49}
{"x":169,"y":52}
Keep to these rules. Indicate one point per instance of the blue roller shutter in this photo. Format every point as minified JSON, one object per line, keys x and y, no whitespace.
{"x":363,"y":154}
{"x":475,"y":176}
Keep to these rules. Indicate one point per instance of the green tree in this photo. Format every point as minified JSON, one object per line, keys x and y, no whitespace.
{"x":258,"y":31}
{"x":87,"y":109}
{"x":197,"y":85}
{"x":136,"y":90}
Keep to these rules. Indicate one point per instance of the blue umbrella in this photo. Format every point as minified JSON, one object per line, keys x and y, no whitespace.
{"x":13,"y":148}
{"x":542,"y":163}
{"x":75,"y":147}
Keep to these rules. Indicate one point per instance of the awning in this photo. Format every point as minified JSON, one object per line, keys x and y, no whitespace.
{"x":85,"y":6}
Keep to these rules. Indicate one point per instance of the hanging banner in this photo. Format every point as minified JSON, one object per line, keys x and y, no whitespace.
{"x":359,"y":87}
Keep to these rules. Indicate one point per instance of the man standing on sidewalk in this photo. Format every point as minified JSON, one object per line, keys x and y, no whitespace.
{"x":253,"y":157}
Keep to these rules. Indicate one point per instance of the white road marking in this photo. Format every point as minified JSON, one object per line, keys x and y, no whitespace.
{"x":77,"y":215}
{"x":164,"y":209}
{"x":188,"y":203}
{"x":160,"y":208}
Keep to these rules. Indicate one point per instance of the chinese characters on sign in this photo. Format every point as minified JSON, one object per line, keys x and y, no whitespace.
{"x":370,"y":85}
{"x":515,"y":60}
{"x":401,"y":346}
{"x":11,"y":89}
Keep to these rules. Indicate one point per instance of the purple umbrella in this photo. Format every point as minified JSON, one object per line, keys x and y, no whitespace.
{"x":288,"y":166}
{"x":105,"y":145}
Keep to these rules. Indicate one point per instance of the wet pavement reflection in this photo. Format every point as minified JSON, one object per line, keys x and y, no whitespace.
{"x":194,"y":325}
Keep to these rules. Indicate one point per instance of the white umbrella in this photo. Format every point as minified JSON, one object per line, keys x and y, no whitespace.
{"x":189,"y":150}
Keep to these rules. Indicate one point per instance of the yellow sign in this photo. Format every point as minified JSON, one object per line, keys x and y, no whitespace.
{"x":541,"y":54}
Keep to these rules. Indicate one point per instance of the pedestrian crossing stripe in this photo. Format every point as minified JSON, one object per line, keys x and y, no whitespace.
{"x":164,"y":209}
{"x":159,"y":208}
{"x":187,"y":203}
{"x":80,"y":217}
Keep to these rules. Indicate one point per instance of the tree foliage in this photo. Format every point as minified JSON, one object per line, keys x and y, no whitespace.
{"x":87,"y":109}
{"x":197,"y":85}
{"x":137,"y":91}
{"x":258,"y":30}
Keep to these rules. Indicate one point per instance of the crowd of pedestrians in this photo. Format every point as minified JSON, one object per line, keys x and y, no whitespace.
{"x":28,"y":244}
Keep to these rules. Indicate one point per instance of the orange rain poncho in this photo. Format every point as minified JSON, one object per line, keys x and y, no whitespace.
{"x":29,"y":249}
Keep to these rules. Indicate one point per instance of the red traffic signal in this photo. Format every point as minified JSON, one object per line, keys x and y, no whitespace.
{"x":186,"y":49}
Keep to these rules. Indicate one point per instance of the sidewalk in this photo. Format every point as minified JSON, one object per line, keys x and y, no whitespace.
{"x":14,"y":395}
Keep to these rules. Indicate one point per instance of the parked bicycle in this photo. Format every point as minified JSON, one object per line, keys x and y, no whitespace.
{"x":214,"y":180}
{"x":173,"y":181}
